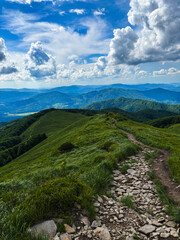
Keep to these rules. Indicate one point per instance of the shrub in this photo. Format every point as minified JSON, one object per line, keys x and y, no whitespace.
{"x":106,"y":146}
{"x":66,"y":147}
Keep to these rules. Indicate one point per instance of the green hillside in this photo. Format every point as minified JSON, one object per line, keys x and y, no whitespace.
{"x":165,"y":122}
{"x":133,"y":105}
{"x":97,"y":147}
{"x":73,"y":163}
{"x":175,"y":128}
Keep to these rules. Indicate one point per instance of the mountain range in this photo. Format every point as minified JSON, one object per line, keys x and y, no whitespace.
{"x":20,"y":102}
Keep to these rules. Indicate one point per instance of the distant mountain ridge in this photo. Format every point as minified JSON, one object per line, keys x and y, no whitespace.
{"x":23,"y":101}
{"x":133,"y":105}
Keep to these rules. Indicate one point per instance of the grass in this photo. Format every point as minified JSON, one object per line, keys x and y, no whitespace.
{"x":124,"y":168}
{"x":127,"y":201}
{"x":171,"y":207}
{"x":149,"y":157}
{"x":160,"y":138}
{"x":50,"y":180}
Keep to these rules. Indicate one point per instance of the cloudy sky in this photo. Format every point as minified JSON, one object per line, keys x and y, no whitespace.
{"x":48,"y":43}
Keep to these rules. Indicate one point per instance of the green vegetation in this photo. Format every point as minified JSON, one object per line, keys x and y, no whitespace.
{"x":10,"y":154}
{"x":66,"y":147}
{"x":149,"y":157}
{"x":160,"y":138}
{"x":165,"y":122}
{"x":133,"y":105}
{"x":124,"y":168}
{"x":74,"y":163}
{"x":175,"y":128}
{"x":171,"y":207}
{"x":127,"y":201}
{"x":45,"y":182}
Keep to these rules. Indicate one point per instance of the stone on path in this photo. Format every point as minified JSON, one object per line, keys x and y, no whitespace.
{"x":146,"y":229}
{"x":131,"y":171}
{"x":69,"y":229}
{"x":171,"y":224}
{"x":47,"y":228}
{"x":102,"y":233}
{"x":65,"y":236}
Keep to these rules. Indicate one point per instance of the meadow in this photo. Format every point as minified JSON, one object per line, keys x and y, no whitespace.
{"x":48,"y":179}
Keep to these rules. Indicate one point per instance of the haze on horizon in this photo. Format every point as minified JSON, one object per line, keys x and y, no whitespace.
{"x":49,"y":43}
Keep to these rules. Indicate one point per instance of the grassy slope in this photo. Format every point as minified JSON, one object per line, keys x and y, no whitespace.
{"x":98,"y":148}
{"x":162,"y":138}
{"x":175,"y":128}
{"x":165,"y":121}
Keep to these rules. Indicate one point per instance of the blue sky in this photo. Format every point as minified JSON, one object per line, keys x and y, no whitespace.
{"x":60,"y":42}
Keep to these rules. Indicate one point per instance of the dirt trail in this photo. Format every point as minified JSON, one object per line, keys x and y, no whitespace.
{"x":160,"y":167}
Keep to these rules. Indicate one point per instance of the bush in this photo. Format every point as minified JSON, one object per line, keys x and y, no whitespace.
{"x":66,"y":147}
{"x":106,"y":146}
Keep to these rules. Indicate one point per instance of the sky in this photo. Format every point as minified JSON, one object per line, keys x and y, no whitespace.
{"x":50,"y":43}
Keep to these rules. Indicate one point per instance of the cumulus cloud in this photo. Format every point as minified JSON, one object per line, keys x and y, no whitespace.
{"x":162,"y":72}
{"x":8,"y":69}
{"x":2,"y":50}
{"x":39,"y":63}
{"x":122,"y":46}
{"x":77,"y":11}
{"x":101,"y":63}
{"x":157,"y":37}
{"x":6,"y":65}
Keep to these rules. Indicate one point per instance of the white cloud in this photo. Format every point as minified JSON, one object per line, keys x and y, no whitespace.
{"x":60,"y":41}
{"x":53,"y":1}
{"x":122,"y":45}
{"x":39,"y":63}
{"x":6,"y":65}
{"x":99,"y":12}
{"x":157,"y":37}
{"x":77,"y":11}
{"x":162,"y":72}
{"x":62,"y":13}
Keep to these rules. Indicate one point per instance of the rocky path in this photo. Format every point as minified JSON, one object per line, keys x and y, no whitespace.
{"x":144,"y":217}
{"x":130,"y":211}
{"x":160,"y":167}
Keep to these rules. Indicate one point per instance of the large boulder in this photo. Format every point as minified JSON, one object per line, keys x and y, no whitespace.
{"x":47,"y":228}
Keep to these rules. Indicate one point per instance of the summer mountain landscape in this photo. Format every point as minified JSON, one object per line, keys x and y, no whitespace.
{"x":89,"y":120}
{"x":76,"y":165}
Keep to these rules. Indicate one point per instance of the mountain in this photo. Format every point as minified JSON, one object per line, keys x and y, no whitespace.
{"x":11,"y":96}
{"x":56,"y":160}
{"x":79,"y":89}
{"x":11,"y":109}
{"x":162,"y":95}
{"x":133,"y":105}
